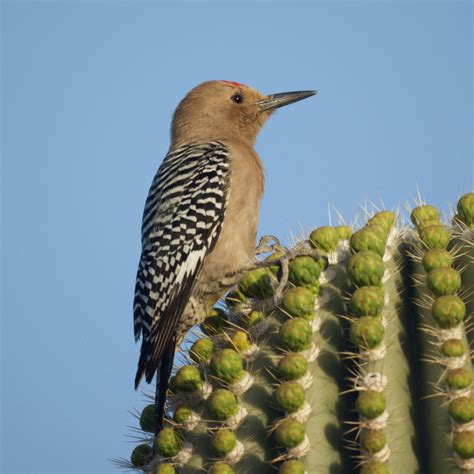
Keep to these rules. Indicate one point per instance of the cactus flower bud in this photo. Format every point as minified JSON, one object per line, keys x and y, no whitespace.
{"x":463,"y":444}
{"x":227,"y":365}
{"x":435,"y":236}
{"x":292,"y":367}
{"x":371,"y":237}
{"x":168,"y":443}
{"x":289,"y":433}
{"x":296,"y":335}
{"x":367,"y":301}
{"x":290,"y":396}
{"x":424,"y":213}
{"x":299,"y":302}
{"x":367,"y":332}
{"x":324,"y":238}
{"x":147,"y":419}
{"x":436,"y":258}
{"x":223,"y":442}
{"x":448,"y":311}
{"x":141,"y":455}
{"x":202,"y":350}
{"x":293,"y":466}
{"x":444,"y":281}
{"x":461,"y":409}
{"x":188,"y":378}
{"x":366,"y":268}
{"x":370,"y":404}
{"x":223,"y":404}
{"x":466,"y":209}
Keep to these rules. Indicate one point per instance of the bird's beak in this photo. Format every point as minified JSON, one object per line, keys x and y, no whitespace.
{"x":283,"y":98}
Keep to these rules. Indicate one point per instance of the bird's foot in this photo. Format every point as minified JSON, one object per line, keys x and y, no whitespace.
{"x":283,"y":258}
{"x":267,"y":244}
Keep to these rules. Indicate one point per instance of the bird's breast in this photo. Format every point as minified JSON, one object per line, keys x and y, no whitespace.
{"x":235,"y":246}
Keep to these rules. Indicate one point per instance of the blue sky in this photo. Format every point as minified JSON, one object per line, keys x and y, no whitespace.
{"x":87,"y":94}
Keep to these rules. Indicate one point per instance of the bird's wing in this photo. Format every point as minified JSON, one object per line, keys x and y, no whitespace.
{"x":183,"y":216}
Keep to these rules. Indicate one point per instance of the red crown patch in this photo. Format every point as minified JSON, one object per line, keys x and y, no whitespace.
{"x":238,"y":84}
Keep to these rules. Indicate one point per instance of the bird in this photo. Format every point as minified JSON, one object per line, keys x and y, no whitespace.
{"x":200,"y":219}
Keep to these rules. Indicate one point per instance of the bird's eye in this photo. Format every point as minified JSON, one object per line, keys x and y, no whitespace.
{"x":238,"y":98}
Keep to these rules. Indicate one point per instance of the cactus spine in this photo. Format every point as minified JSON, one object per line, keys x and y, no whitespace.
{"x":350,"y":352}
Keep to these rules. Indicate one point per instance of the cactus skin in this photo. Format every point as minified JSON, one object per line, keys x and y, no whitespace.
{"x":335,"y":324}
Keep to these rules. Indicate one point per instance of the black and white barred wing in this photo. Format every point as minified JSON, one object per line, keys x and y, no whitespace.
{"x":182,"y":220}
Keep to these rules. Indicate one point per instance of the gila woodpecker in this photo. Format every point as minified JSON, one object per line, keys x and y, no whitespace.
{"x":200,"y":218}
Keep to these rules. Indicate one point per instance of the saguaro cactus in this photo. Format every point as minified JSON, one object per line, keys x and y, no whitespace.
{"x":350,"y":352}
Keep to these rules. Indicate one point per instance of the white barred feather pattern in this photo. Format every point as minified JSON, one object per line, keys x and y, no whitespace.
{"x":182,"y":220}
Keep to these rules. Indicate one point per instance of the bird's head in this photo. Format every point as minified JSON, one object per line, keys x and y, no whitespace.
{"x":225,"y":110}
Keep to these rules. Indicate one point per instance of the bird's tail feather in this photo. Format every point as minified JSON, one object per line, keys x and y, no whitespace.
{"x":163,"y":375}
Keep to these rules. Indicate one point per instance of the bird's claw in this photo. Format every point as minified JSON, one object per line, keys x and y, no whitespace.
{"x":267,"y":244}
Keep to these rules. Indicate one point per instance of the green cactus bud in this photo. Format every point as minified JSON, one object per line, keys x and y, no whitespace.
{"x":223,"y":442}
{"x":343,"y":232}
{"x":371,"y":237}
{"x":257,"y":284}
{"x":370,"y":404}
{"x":253,"y":318}
{"x":240,"y":341}
{"x":367,"y":301}
{"x":147,"y":419}
{"x":227,"y":365}
{"x":453,"y":348}
{"x":223,"y":404}
{"x":463,"y":444}
{"x":366,"y":268}
{"x":385,"y":219}
{"x":289,"y":433}
{"x":182,"y":414}
{"x":305,"y":271}
{"x":141,"y":455}
{"x":290,"y":396}
{"x":299,"y":302}
{"x":367,"y":332}
{"x":202,"y":350}
{"x":292,"y":367}
{"x":293,"y":466}
{"x":374,"y":467}
{"x":215,"y":322}
{"x":221,"y":468}
{"x":448,"y":311}
{"x":459,"y":379}
{"x":323,"y":263}
{"x":188,"y":379}
{"x":436,"y":258}
{"x":461,"y":409}
{"x":427,"y":223}
{"x":235,"y":298}
{"x":444,"y":281}
{"x":466,"y":209}
{"x":296,"y":335}
{"x":373,"y":441}
{"x":165,"y":468}
{"x":423,"y":213}
{"x":435,"y":236}
{"x":324,"y":238}
{"x":168,"y":443}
